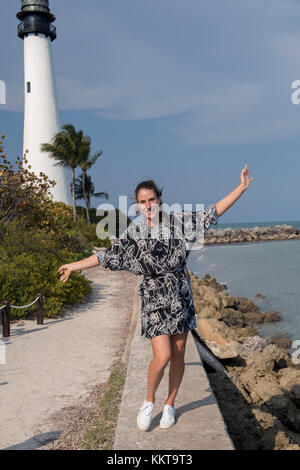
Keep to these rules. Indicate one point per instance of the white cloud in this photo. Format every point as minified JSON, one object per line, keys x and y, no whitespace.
{"x":222,"y":80}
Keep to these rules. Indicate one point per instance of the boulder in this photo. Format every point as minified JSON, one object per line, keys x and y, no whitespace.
{"x":272,"y":316}
{"x":260,"y":387}
{"x":207,"y":311}
{"x":261,"y":354}
{"x":260,"y":296}
{"x":281,"y":341}
{"x":213,"y":336}
{"x":246,"y":305}
{"x":228,"y":301}
{"x":290,"y":381}
{"x":253,"y":317}
{"x":233,"y":317}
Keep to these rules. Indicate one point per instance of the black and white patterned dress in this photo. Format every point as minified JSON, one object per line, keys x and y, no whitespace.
{"x":159,"y":254}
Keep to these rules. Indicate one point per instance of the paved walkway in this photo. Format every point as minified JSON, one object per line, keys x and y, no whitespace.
{"x":56,"y":365}
{"x":199,"y":425}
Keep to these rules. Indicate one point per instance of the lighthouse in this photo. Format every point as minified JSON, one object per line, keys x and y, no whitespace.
{"x":41,"y":116}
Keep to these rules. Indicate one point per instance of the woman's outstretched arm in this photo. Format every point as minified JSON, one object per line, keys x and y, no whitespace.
{"x":225,"y":203}
{"x":66,"y":269}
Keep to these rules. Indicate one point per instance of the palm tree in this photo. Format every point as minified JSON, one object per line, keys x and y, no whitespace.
{"x":85,"y":164}
{"x":88,"y":191}
{"x":67,"y":147}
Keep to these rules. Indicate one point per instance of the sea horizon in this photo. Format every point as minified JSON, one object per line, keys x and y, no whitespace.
{"x":236,"y":225}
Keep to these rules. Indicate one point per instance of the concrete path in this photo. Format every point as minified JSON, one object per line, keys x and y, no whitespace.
{"x":199,"y":421}
{"x":56,"y":365}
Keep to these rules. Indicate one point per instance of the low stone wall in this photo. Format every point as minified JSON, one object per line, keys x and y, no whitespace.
{"x":261,"y":369}
{"x":255,"y":234}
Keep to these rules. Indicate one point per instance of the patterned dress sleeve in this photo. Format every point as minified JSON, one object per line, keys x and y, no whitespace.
{"x":197,"y":222}
{"x":122,"y":254}
{"x":114,"y":257}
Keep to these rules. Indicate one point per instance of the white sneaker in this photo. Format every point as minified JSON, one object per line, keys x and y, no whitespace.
{"x":145,"y":415}
{"x":168,"y":417}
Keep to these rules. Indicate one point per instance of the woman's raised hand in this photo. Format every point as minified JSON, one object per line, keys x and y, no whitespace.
{"x":245,"y":180}
{"x":65,"y":271}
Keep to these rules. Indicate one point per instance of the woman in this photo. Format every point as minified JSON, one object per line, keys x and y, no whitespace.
{"x":157,"y":247}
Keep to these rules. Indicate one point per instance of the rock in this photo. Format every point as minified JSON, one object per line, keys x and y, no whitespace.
{"x":290,"y":381}
{"x":286,"y":411}
{"x":245,"y":332}
{"x":221,"y":233}
{"x":265,"y":390}
{"x":207,"y":301}
{"x":245,"y":305}
{"x":253,"y":317}
{"x":207,"y":311}
{"x":277,"y":232}
{"x":228,"y":301}
{"x":272,"y":316}
{"x":260,"y":387}
{"x":281,"y":341}
{"x":260,"y":296}
{"x":207,"y":280}
{"x":222,"y":352}
{"x":282,"y":442}
{"x":261,"y":354}
{"x":265,"y":418}
{"x":255,"y":342}
{"x":233,"y":318}
{"x":211,"y":332}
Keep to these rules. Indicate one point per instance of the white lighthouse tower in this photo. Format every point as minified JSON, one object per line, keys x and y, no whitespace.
{"x":41,"y":118}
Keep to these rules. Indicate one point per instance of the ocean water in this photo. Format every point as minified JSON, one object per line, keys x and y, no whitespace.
{"x":271,"y":268}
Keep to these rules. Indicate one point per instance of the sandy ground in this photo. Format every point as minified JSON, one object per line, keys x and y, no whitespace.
{"x":58,"y":370}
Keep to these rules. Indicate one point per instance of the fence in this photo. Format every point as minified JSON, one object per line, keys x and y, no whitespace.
{"x":5,"y":314}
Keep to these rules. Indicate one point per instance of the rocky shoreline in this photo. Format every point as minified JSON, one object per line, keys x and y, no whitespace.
{"x":255,"y":234}
{"x":260,"y":396}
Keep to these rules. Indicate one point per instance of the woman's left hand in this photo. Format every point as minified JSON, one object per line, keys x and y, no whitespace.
{"x":245,"y":180}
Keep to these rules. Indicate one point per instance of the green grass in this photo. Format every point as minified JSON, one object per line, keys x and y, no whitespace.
{"x":101,"y":437}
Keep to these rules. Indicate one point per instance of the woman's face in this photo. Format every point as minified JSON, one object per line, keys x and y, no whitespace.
{"x":148,"y":203}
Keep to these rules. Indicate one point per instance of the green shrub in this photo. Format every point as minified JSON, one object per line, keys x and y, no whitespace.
{"x":29,"y":264}
{"x":26,"y":275}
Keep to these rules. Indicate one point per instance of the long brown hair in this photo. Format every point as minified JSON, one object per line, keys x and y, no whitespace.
{"x":148,"y":184}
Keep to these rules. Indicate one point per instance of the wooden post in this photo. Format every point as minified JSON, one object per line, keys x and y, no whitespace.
{"x":2,"y":318}
{"x":6,"y":320}
{"x":40,"y":310}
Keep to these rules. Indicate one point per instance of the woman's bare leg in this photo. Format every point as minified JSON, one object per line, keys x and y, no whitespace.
{"x":161,"y":347}
{"x":178,"y":343}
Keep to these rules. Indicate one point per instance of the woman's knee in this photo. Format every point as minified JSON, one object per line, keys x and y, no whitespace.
{"x":177,"y":356}
{"x":162,"y":359}
{"x":161,"y":350}
{"x":178,"y":349}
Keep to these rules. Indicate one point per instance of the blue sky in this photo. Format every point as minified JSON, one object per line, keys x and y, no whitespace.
{"x":185,"y":92}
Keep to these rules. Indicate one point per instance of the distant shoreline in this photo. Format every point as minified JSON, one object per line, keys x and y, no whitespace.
{"x":272,"y":223}
{"x":250,"y":235}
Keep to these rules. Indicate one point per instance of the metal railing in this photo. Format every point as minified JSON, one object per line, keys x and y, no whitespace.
{"x":5,"y":314}
{"x":34,"y":27}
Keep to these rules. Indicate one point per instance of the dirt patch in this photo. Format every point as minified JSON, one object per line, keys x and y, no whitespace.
{"x":75,"y":421}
